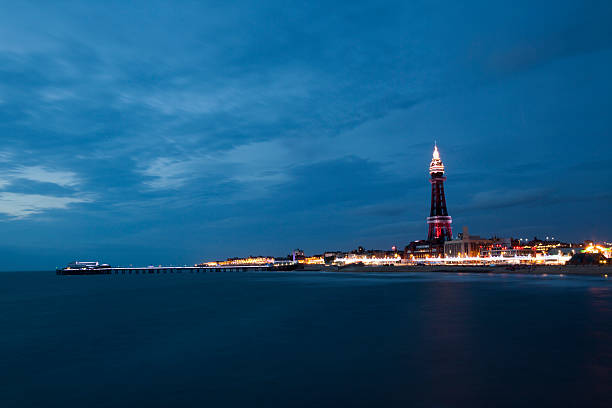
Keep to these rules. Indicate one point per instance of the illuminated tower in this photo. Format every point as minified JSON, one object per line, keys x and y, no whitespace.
{"x":439,"y":222}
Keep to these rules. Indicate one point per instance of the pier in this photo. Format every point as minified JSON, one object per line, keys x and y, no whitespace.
{"x":156,"y":270}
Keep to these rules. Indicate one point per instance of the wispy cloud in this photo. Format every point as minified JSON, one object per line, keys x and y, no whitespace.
{"x":52,"y":95}
{"x":247,"y":95}
{"x":259,"y":164}
{"x":45,"y":175}
{"x":18,"y":205}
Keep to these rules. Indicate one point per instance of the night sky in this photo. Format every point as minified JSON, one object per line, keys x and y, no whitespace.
{"x":173,"y":132}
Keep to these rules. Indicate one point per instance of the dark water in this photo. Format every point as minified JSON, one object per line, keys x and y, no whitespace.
{"x":304,"y":339}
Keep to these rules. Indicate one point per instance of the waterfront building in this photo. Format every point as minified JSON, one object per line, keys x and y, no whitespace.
{"x":251,"y":260}
{"x":422,"y":249}
{"x":538,"y":246}
{"x":503,"y":248}
{"x":592,"y":248}
{"x":466,"y":245}
{"x":368,"y":257}
{"x":330,"y":256}
{"x":566,"y":251}
{"x":313,"y":260}
{"x":297,"y":255}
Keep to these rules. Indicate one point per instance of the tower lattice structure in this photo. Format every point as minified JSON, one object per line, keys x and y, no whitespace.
{"x":439,"y":222}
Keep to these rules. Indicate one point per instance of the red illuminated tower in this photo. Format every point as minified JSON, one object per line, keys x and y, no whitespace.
{"x":439,"y":222}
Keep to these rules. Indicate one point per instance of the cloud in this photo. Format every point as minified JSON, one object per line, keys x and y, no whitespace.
{"x":168,"y":173}
{"x":45,"y":175}
{"x":18,"y":205}
{"x":53,"y":95}
{"x":255,"y":96}
{"x":261,"y":165}
{"x":256,"y":166}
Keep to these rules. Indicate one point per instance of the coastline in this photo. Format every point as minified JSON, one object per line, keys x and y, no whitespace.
{"x":582,"y":270}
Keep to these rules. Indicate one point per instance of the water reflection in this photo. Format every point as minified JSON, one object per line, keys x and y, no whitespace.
{"x":598,"y":354}
{"x":446,"y":333}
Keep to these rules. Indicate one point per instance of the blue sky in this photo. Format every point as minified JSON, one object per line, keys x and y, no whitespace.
{"x":173,"y":132}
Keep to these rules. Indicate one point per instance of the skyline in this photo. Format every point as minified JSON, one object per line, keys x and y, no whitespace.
{"x":174,"y":135}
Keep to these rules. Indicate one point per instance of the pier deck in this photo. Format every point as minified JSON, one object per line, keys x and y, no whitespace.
{"x":171,"y":269}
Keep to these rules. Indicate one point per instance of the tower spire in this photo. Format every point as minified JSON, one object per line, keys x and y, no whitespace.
{"x":436,"y":165}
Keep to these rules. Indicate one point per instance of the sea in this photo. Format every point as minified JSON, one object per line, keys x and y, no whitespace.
{"x":305,"y":339}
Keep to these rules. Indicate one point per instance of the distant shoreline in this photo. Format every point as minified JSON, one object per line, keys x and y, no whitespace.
{"x":584,"y":270}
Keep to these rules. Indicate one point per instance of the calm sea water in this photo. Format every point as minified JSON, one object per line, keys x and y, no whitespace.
{"x":304,"y":339}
